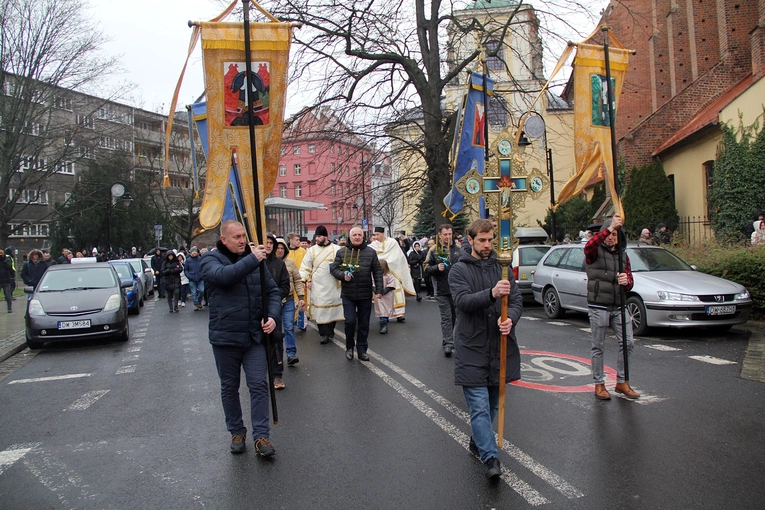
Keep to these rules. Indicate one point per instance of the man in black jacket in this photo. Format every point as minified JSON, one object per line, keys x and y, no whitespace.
{"x":477,"y":287}
{"x":156,"y":266}
{"x":356,"y":265}
{"x":33,"y":269}
{"x":438,"y":263}
{"x":281,"y":276}
{"x":238,"y":319}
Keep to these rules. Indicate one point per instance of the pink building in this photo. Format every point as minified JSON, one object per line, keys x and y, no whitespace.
{"x":322,"y":161}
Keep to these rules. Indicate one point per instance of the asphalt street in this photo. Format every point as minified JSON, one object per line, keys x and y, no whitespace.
{"x":140,"y":425}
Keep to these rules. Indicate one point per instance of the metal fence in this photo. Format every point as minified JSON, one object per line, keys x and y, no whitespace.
{"x":693,"y":230}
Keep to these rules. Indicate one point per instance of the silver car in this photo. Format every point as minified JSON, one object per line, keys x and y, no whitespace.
{"x":143,"y":268}
{"x":667,"y":291}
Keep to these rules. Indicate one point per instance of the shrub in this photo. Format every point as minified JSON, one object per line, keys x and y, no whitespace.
{"x":744,"y":265}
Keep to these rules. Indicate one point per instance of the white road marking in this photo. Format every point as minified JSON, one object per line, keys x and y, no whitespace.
{"x":529,"y":463}
{"x":11,"y":455}
{"x":531,"y":318}
{"x":660,"y":347}
{"x":58,"y":478}
{"x":129,"y":369}
{"x":133,"y":349}
{"x":132,"y":357}
{"x":521,"y":487}
{"x":555,"y":323}
{"x":713,"y":360}
{"x":141,"y":330}
{"x":139,"y":335}
{"x":586,"y":330}
{"x":518,"y":485}
{"x":86,"y":400}
{"x":52,"y":378}
{"x":137,"y":341}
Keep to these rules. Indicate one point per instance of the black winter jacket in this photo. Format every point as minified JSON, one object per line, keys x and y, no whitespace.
{"x":32,"y":273}
{"x":416,"y":259}
{"x":441,"y":278}
{"x":7,"y":274}
{"x":360,"y":287}
{"x":171,"y":273}
{"x":476,"y":333}
{"x":233,"y":285}
{"x":279,"y":273}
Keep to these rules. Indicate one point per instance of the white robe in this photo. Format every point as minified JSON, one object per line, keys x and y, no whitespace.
{"x":390,"y":251}
{"x":323,"y":303}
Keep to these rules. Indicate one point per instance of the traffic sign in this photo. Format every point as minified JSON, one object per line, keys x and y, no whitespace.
{"x":157,"y":227}
{"x":364,"y":223}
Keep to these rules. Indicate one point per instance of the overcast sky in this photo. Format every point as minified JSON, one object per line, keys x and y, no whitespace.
{"x":151,"y":39}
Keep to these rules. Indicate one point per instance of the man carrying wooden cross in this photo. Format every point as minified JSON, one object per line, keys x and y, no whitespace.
{"x":477,"y":288}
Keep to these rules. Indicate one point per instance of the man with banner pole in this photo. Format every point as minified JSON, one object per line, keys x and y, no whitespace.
{"x":238,"y":103}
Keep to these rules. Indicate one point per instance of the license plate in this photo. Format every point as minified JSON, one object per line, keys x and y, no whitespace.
{"x":721,"y":310}
{"x":74,"y":324}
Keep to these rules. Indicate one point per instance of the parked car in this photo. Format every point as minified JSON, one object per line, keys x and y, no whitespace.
{"x":143,"y":268}
{"x":526,"y":256}
{"x":667,"y":291}
{"x":135,"y":293}
{"x":75,"y":302}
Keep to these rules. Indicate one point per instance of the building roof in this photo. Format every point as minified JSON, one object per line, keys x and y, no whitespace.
{"x":488,"y":4}
{"x":709,"y":116}
{"x":291,"y":203}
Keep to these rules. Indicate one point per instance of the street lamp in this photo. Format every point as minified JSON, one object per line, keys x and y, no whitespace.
{"x":534,"y":127}
{"x":364,"y":218}
{"x":117,"y":191}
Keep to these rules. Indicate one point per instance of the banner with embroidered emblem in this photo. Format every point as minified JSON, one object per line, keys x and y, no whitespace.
{"x":227,"y":109}
{"x":469,"y":144}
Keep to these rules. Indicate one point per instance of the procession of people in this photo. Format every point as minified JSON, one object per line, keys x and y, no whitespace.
{"x":321,"y":283}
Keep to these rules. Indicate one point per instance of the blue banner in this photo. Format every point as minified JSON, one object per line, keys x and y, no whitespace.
{"x":469,"y":140}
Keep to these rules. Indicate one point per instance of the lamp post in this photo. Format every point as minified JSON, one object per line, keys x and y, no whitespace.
{"x":117,"y":191}
{"x":364,"y":218}
{"x":534,"y":127}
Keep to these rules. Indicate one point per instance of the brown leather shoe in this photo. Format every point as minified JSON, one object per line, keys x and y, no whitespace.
{"x":624,"y":389}
{"x":601,"y":392}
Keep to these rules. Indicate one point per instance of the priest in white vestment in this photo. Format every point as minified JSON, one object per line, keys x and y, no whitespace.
{"x":323,"y":301}
{"x":390,"y":251}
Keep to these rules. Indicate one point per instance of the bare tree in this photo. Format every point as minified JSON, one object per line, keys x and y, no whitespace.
{"x":383,"y":67}
{"x":47,"y":48}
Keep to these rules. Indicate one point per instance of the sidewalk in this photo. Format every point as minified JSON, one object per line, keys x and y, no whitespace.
{"x":12,"y":338}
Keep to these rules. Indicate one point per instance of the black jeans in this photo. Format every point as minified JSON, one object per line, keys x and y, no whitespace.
{"x":172,"y":298}
{"x":8,"y":293}
{"x":230,"y":361}
{"x":357,"y":312}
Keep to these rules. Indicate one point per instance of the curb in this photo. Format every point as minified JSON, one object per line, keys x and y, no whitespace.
{"x":14,"y":344}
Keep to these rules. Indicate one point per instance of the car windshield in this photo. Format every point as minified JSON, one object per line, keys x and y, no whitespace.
{"x":124,"y":271}
{"x":531,"y":255}
{"x":77,"y":278}
{"x":654,"y":259}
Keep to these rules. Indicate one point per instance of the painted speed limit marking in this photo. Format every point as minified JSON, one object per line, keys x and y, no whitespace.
{"x":541,"y":370}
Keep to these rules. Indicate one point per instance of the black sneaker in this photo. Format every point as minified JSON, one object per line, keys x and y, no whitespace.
{"x":363,"y":356}
{"x":493,"y":470}
{"x":448,"y":351}
{"x":473,"y":448}
{"x":238,"y":444}
{"x":325,"y":339}
{"x":292,"y":361}
{"x":264,"y":448}
{"x":400,"y":319}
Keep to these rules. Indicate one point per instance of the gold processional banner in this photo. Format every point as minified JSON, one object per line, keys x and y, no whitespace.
{"x":592,"y":132}
{"x":228,"y":115}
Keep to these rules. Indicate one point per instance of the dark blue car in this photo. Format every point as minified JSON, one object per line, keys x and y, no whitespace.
{"x":135,"y":293}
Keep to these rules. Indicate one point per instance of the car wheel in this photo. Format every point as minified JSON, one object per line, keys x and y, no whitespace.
{"x":125,"y":335}
{"x":636,"y":309}
{"x":551,"y":303}
{"x":32,"y":344}
{"x":140,"y":302}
